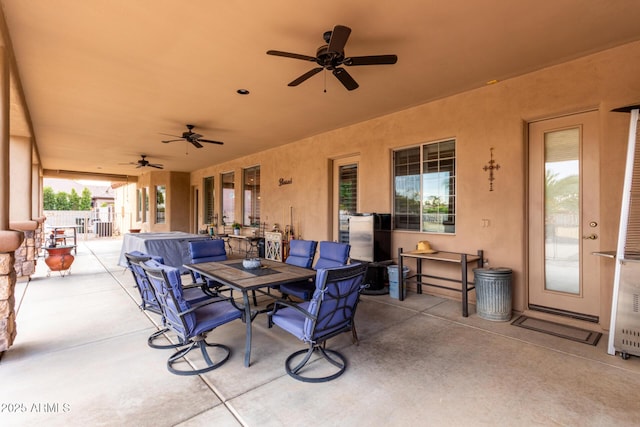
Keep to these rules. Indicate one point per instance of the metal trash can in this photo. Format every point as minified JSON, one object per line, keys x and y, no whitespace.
{"x":493,"y":293}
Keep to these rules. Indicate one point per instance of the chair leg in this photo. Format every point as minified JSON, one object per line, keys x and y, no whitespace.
{"x":332,"y":356}
{"x":201,"y":343}
{"x":158,"y":334}
{"x":354,"y":334}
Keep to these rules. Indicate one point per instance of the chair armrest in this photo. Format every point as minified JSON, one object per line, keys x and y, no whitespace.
{"x":286,"y":304}
{"x":202,"y":304}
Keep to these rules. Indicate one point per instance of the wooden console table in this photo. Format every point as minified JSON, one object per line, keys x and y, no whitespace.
{"x":461,"y":259}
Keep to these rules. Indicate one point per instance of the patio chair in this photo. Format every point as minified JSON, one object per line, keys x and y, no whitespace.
{"x":301,"y":254}
{"x":148,"y":296}
{"x":190,"y":322}
{"x":329,"y":313}
{"x":332,"y":254}
{"x":208,"y":251}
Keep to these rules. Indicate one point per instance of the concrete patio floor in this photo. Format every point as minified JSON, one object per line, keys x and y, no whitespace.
{"x":81,"y":359}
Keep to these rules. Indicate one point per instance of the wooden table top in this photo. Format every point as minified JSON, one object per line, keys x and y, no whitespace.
{"x":233,"y":274}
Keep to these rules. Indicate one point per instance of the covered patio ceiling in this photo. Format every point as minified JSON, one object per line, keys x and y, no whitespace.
{"x":100,"y":83}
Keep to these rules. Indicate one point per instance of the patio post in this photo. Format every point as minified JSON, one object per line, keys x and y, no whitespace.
{"x":9,"y":240}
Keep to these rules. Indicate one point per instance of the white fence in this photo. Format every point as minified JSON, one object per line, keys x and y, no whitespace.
{"x":88,"y":224}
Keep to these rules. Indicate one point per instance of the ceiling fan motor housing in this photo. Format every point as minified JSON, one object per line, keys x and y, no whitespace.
{"x":328,"y":59}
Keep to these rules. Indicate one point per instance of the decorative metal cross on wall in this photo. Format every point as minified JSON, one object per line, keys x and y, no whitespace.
{"x":491,"y":166}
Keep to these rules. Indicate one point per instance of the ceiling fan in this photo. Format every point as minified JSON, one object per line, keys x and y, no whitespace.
{"x":331,"y":56}
{"x":143,"y":162}
{"x":192,"y":137}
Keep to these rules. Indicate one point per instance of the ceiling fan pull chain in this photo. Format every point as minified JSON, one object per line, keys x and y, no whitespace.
{"x":325,"y":80}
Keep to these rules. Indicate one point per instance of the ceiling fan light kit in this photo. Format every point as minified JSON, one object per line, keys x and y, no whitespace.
{"x":331,"y":57}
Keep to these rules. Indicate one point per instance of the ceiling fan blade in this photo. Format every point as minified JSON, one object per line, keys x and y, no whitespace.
{"x":371,"y":60}
{"x":345,"y":78}
{"x":210,"y":141}
{"x":339,"y":37}
{"x":171,"y":140}
{"x":305,"y":76}
{"x":153,"y":165}
{"x":196,"y":144}
{"x":291,"y":55}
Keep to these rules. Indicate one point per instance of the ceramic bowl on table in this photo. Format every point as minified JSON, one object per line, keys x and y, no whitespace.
{"x":251,"y":263}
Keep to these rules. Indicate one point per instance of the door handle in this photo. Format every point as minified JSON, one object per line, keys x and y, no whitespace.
{"x":590,"y":237}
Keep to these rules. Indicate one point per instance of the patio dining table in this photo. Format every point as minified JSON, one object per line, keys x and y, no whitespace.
{"x":231,"y":273}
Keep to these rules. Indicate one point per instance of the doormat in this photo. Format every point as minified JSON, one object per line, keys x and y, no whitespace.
{"x":563,"y":331}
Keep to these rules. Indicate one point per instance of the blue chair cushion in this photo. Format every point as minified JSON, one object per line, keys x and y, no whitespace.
{"x":213,"y":315}
{"x":207,"y":251}
{"x":332,"y":254}
{"x":301,"y":253}
{"x":293,"y":321}
{"x":177,"y":304}
{"x":333,"y":314}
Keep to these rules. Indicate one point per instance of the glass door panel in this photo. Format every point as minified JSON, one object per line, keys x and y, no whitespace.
{"x":562,"y":210}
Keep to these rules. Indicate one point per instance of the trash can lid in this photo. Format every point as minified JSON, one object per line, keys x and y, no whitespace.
{"x":496,"y":270}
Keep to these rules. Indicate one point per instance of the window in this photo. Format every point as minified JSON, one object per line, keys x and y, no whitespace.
{"x":347,"y":198}
{"x":251,"y":206}
{"x":139,"y":202}
{"x":228,"y":198}
{"x":161,"y":194}
{"x":147,"y":216}
{"x":424,"y":187}
{"x":209,"y":199}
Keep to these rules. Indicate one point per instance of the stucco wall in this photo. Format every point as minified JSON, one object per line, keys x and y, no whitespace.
{"x":177,"y":204}
{"x":493,"y":116}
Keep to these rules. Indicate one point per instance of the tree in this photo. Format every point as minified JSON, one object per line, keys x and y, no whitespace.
{"x":74,"y":200}
{"x":49,"y":199}
{"x":85,"y":200}
{"x":62,"y":201}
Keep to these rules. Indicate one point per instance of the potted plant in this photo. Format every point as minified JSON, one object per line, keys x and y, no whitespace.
{"x":236,"y":228}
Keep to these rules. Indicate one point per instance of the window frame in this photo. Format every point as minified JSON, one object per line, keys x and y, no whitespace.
{"x":430,"y":164}
{"x":161,"y":206}
{"x":209,"y":199}
{"x":251,"y":196}
{"x":228,"y":197}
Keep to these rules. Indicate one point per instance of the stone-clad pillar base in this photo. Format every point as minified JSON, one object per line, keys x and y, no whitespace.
{"x":10,"y":241}
{"x":26,"y":255}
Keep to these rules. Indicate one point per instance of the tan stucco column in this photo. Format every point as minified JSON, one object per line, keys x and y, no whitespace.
{"x":9,"y":240}
{"x":20,"y":153}
{"x":20,"y":215}
{"x":5,"y":171}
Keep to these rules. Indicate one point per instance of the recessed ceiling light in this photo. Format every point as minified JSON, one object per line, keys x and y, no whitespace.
{"x":243,"y":91}
{"x":492,"y":82}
